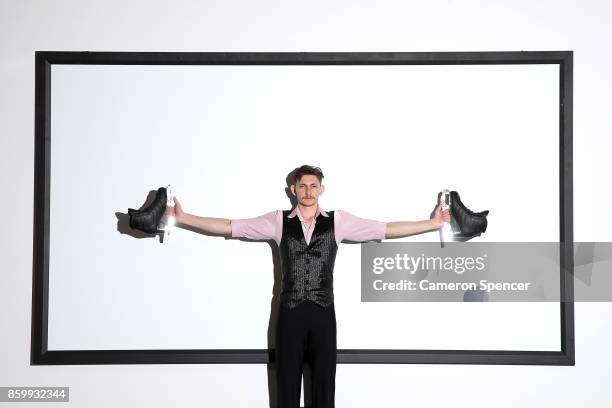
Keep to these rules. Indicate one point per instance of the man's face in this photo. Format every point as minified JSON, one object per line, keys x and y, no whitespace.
{"x":307,"y":190}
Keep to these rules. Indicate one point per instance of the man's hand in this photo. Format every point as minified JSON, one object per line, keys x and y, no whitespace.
{"x":176,"y":211}
{"x":440,"y":217}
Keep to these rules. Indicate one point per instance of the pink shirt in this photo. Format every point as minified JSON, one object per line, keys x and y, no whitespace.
{"x":346,"y":226}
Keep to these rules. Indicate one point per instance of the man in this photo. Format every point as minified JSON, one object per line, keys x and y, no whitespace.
{"x":308,"y":239}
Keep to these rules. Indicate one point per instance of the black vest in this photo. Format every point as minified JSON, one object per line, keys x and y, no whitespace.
{"x":307,"y":270}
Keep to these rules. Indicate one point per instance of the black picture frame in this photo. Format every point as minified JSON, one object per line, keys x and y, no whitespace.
{"x":40,"y":355}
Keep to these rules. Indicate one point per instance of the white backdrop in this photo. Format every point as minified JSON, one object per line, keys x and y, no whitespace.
{"x":388,"y":138}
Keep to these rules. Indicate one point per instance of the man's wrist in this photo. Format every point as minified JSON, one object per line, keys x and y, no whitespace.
{"x":435,"y":224}
{"x":181,"y":219}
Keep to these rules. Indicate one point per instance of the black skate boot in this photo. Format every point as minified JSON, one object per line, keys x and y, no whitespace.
{"x":148,"y":219}
{"x":466,"y":224}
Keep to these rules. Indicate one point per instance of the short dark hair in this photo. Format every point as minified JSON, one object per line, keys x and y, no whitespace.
{"x":306,"y":169}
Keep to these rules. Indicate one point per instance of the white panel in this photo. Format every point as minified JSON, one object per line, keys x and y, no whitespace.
{"x":388,"y":138}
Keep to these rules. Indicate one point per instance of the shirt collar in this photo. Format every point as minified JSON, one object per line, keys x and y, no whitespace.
{"x":296,"y":211}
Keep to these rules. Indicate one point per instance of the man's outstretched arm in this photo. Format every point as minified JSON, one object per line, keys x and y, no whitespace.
{"x":210,"y":225}
{"x":398,"y":229}
{"x":264,"y":227}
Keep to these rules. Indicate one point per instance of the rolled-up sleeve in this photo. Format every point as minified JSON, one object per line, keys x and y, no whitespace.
{"x":264,"y":227}
{"x":356,"y":229}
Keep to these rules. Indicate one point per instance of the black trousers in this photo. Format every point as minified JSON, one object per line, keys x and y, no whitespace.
{"x":306,"y":332}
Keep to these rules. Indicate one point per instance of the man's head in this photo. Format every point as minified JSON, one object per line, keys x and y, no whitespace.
{"x":307,"y":185}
